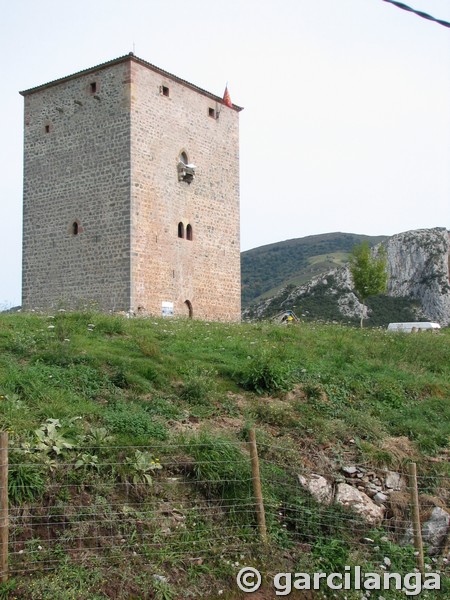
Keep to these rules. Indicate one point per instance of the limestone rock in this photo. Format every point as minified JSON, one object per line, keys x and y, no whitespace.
{"x":394,"y":481}
{"x":418,"y":268}
{"x":380,"y":498}
{"x":350,"y":471}
{"x":360,"y":502}
{"x":319,"y":488}
{"x":435,"y":530}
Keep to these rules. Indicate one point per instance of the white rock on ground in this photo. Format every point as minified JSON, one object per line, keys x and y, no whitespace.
{"x":319,"y":488}
{"x":360,"y":502}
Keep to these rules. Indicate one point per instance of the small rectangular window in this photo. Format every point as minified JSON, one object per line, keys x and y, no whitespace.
{"x":164,"y":90}
{"x":94,"y":87}
{"x":212,"y":113}
{"x":47,"y":129}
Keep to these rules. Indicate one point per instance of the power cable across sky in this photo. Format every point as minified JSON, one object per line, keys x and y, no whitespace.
{"x":418,"y":12}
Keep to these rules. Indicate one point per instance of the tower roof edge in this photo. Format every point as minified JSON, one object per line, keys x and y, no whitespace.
{"x":127,"y":57}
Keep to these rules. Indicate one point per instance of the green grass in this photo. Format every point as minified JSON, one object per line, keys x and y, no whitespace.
{"x":188,"y":391}
{"x":398,"y":384}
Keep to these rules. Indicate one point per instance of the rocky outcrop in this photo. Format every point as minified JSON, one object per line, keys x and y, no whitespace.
{"x":373,"y":494}
{"x":418,"y":269}
{"x":337,"y":284}
{"x":418,"y":266}
{"x":361,"y":491}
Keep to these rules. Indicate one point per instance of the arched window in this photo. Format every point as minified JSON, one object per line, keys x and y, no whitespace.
{"x":186,"y":171}
{"x":180,"y":230}
{"x":189,"y":232}
{"x":75,"y":228}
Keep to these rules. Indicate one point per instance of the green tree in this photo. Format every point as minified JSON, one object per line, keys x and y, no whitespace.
{"x":368,"y":272}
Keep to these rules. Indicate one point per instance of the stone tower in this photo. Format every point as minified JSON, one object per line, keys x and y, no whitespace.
{"x":131,"y":194}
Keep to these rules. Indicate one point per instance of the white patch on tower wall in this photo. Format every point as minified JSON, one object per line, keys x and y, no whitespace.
{"x":167,"y":309}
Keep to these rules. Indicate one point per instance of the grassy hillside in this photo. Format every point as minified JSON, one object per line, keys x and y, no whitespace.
{"x":130,"y":473}
{"x":268,"y":268}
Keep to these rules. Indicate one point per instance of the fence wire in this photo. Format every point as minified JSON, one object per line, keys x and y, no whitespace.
{"x":195,"y":503}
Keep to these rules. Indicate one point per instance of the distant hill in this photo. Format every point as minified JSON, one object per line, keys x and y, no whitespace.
{"x":267,"y":269}
{"x":418,"y":286}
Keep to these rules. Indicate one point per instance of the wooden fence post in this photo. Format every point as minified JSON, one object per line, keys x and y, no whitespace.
{"x":257,"y":492}
{"x":416,"y":516}
{"x":4,"y":507}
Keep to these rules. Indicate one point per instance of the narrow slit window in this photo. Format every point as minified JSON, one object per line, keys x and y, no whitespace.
{"x":47,"y":129}
{"x":180,"y":230}
{"x":189,"y":232}
{"x":75,"y":228}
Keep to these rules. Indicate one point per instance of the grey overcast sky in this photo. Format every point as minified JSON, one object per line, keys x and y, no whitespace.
{"x":346,"y":121}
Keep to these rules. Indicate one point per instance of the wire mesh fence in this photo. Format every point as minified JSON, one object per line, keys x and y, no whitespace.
{"x":195,"y":502}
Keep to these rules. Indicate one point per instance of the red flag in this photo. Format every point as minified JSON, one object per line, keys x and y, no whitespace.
{"x":227,"y":98}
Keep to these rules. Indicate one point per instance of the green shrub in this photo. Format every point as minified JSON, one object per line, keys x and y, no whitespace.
{"x":97,"y":438}
{"x":426,"y":422}
{"x":68,"y":582}
{"x":131,"y":420}
{"x":402,"y":557}
{"x":151,"y":373}
{"x":86,"y":380}
{"x":135,"y":424}
{"x":109,"y":325}
{"x":199,"y":386}
{"x":148,"y":346}
{"x":141,"y":466}
{"x":25,"y":482}
{"x":55,"y":354}
{"x":24,"y":343}
{"x":162,"y":407}
{"x":7,"y":589}
{"x":267,"y":373}
{"x":119,"y":378}
{"x":313,"y":391}
{"x":388,"y":391}
{"x":331,"y":554}
{"x":221,"y":469}
{"x":276,"y":413}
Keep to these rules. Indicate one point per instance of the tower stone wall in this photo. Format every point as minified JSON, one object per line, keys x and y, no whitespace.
{"x":108,"y":217}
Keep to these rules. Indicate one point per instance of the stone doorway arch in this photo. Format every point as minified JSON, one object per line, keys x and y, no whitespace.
{"x":188,"y":309}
